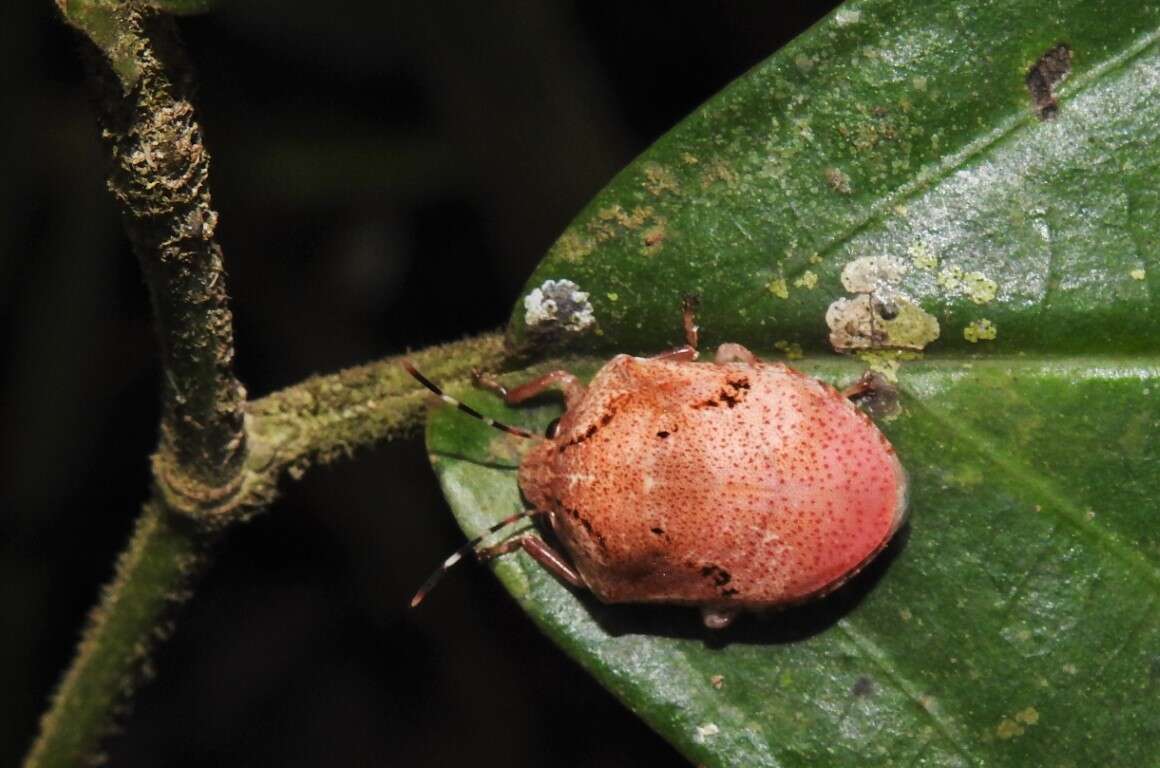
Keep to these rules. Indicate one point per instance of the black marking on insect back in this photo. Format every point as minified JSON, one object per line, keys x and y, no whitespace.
{"x":663,"y":434}
{"x":720,"y":579}
{"x":1052,"y":67}
{"x":587,"y":525}
{"x":719,"y":575}
{"x":735,"y":391}
{"x":592,"y":429}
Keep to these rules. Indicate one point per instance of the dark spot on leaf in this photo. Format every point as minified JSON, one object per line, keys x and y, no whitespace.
{"x":863,"y":686}
{"x":1052,"y":67}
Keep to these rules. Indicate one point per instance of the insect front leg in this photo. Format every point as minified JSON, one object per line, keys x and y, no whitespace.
{"x":552,"y":561}
{"x":571,"y":386}
{"x":688,"y":352}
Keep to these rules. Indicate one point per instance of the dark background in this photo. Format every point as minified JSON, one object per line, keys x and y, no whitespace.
{"x":386,"y":178}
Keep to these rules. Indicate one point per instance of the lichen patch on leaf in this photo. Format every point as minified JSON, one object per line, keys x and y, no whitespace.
{"x":807,"y":280}
{"x":980,"y":288}
{"x":558,"y":304}
{"x":921,"y":256}
{"x":872,"y":273}
{"x":778,"y":288}
{"x":980,"y":330}
{"x":658,"y":180}
{"x":705,"y":732}
{"x":867,"y":322}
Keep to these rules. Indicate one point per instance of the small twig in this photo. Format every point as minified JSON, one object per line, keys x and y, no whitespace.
{"x":317,"y":421}
{"x":329,"y":417}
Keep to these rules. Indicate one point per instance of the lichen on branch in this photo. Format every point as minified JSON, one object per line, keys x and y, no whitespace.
{"x":160,"y":177}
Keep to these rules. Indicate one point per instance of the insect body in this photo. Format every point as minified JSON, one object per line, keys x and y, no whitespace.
{"x":732,"y":486}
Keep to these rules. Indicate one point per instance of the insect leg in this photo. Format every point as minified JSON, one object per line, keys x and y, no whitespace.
{"x":571,"y":386}
{"x":688,"y":352}
{"x":735,"y":353}
{"x":470,"y":546}
{"x":411,"y":369}
{"x":866,"y":385}
{"x":542,"y":553}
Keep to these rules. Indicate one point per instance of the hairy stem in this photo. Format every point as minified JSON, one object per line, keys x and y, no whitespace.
{"x":319,"y":420}
{"x":329,"y":417}
{"x":153,"y":576}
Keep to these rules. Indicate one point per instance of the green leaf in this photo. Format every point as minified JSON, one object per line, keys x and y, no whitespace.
{"x":1014,"y":621}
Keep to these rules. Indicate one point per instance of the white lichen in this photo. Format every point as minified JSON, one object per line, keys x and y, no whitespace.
{"x":846,"y":17}
{"x":879,"y":315}
{"x":704,"y":732}
{"x":868,"y":274}
{"x":558,"y":303}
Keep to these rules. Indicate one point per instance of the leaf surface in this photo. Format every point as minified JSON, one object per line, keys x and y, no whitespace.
{"x":1014,"y":620}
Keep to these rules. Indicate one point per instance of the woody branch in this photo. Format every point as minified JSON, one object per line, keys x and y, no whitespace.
{"x":219,"y":459}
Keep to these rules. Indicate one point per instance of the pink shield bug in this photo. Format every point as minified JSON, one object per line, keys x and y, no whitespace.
{"x":737,"y":485}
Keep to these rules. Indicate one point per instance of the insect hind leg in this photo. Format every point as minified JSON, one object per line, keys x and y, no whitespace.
{"x":542,"y":552}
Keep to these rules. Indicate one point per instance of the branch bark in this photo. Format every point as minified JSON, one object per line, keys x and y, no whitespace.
{"x":219,"y":460}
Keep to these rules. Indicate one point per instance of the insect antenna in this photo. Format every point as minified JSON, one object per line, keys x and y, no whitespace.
{"x":470,"y":546}
{"x":411,"y":369}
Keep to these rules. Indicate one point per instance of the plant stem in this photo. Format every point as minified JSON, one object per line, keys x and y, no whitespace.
{"x":319,"y":420}
{"x":153,"y":575}
{"x":204,"y":477}
{"x":329,"y":417}
{"x":160,"y":178}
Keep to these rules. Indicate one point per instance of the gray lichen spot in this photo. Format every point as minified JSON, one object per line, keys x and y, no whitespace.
{"x":880,"y":316}
{"x":867,"y":321}
{"x":558,"y":304}
{"x":838,"y":180}
{"x":872,"y":273}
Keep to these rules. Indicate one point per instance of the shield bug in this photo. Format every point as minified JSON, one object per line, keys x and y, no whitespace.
{"x":736,"y":485}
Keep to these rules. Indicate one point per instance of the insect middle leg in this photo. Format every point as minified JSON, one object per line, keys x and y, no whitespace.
{"x":541,"y":552}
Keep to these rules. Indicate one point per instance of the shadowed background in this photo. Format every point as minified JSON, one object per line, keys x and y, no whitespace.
{"x":386,"y":177}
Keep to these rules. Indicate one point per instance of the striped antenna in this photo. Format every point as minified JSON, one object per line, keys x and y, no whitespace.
{"x":470,"y":546}
{"x":463,"y":406}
